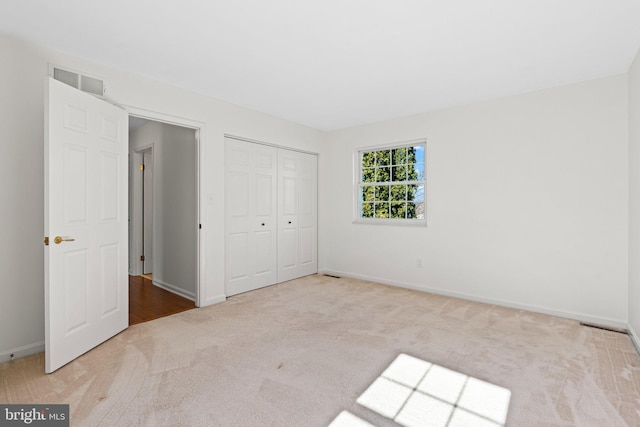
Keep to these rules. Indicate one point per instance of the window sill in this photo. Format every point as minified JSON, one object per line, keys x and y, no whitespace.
{"x":384,"y":221}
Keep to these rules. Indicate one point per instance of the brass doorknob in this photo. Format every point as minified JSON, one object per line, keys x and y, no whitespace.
{"x":57,"y":240}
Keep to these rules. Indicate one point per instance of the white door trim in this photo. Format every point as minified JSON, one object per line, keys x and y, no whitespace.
{"x":269,"y":144}
{"x":200,"y":129}
{"x":135,"y":215}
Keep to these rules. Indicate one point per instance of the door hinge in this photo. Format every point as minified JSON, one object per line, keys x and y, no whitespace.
{"x":142,"y":167}
{"x":141,"y":257}
{"x":46,"y":241}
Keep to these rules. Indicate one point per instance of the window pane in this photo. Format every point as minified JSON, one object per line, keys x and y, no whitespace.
{"x":367,"y":210}
{"x":382,"y":193}
{"x":383,"y":174}
{"x":368,"y":175}
{"x":400,"y":173}
{"x":420,"y":210}
{"x":367,"y":193}
{"x":419,"y":153}
{"x":411,"y":155}
{"x":419,"y":171}
{"x":398,"y":193}
{"x":415,"y":192}
{"x":383,"y":158}
{"x":411,"y":210}
{"x":382,"y":210}
{"x":368,"y":159}
{"x":399,"y":156}
{"x":398,"y":210}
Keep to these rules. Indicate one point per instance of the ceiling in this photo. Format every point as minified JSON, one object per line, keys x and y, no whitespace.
{"x":333,"y":64}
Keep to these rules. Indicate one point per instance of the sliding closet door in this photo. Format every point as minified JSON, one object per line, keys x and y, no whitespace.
{"x":297,"y":214}
{"x":250,"y":216}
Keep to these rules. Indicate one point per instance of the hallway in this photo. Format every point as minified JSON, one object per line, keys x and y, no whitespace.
{"x":149,"y":302}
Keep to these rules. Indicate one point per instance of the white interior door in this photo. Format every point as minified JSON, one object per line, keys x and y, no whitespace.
{"x":147,"y":209}
{"x":250,"y":216}
{"x":297,"y":214}
{"x":86,"y":283}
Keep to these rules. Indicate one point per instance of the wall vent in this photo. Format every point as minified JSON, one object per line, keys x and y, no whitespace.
{"x":83,"y":82}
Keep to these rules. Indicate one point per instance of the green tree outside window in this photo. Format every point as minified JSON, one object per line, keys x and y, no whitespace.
{"x":393,"y":183}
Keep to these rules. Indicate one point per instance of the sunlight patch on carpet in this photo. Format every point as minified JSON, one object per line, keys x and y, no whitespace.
{"x":414,"y":392}
{"x":347,"y":419}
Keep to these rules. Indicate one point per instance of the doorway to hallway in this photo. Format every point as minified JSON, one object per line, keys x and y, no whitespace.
{"x":164,"y":223}
{"x":148,"y":302}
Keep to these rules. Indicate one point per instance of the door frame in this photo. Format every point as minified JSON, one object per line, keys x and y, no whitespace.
{"x":136,"y":232}
{"x":200,"y":133}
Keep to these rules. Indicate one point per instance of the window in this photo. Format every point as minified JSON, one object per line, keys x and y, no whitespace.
{"x":390,"y":184}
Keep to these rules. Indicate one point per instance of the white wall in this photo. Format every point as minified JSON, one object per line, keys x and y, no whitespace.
{"x":526,"y":201}
{"x":22,"y":73}
{"x":21,"y":200}
{"x":175,"y":236}
{"x":634,"y":200}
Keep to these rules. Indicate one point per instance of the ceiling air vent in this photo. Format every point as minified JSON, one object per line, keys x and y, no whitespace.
{"x":79,"y":81}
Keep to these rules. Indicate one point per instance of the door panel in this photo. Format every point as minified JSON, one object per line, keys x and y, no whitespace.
{"x":75,"y":118}
{"x":75,"y":289}
{"x":109,"y":196}
{"x":287,"y":250}
{"x":289,"y":195}
{"x":306,"y":245}
{"x":306,"y":193}
{"x":86,"y":298}
{"x":109,"y":256}
{"x":250,"y":209}
{"x":74,"y":186}
{"x":297,"y":194}
{"x":239,"y":198}
{"x":262,"y":256}
{"x":238,"y":252}
{"x":264,"y":196}
{"x":110,"y":129}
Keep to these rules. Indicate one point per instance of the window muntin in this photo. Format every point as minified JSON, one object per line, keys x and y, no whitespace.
{"x":391,"y":184}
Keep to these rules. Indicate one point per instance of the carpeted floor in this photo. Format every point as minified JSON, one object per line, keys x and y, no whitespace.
{"x":301,"y":352}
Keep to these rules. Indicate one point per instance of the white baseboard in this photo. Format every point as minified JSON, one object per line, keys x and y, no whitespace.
{"x":174,"y":289}
{"x":23,"y":351}
{"x":214,"y":300}
{"x":566,"y":314}
{"x":635,"y":339}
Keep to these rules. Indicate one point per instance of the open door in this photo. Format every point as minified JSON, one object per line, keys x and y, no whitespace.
{"x":86,"y":282}
{"x":147,"y":211}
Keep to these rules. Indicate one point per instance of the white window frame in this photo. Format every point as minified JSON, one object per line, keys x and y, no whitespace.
{"x":358,"y":183}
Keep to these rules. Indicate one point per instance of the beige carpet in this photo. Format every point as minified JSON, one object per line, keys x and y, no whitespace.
{"x":300,"y":353}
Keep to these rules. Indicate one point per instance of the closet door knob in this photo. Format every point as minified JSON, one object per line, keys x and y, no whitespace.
{"x":263,"y":224}
{"x":289,"y":222}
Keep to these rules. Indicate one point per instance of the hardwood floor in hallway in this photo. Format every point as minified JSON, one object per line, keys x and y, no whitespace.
{"x":149,"y":302}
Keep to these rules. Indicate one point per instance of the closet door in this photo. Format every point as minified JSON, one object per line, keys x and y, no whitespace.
{"x":297,"y":214}
{"x":250,"y":216}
